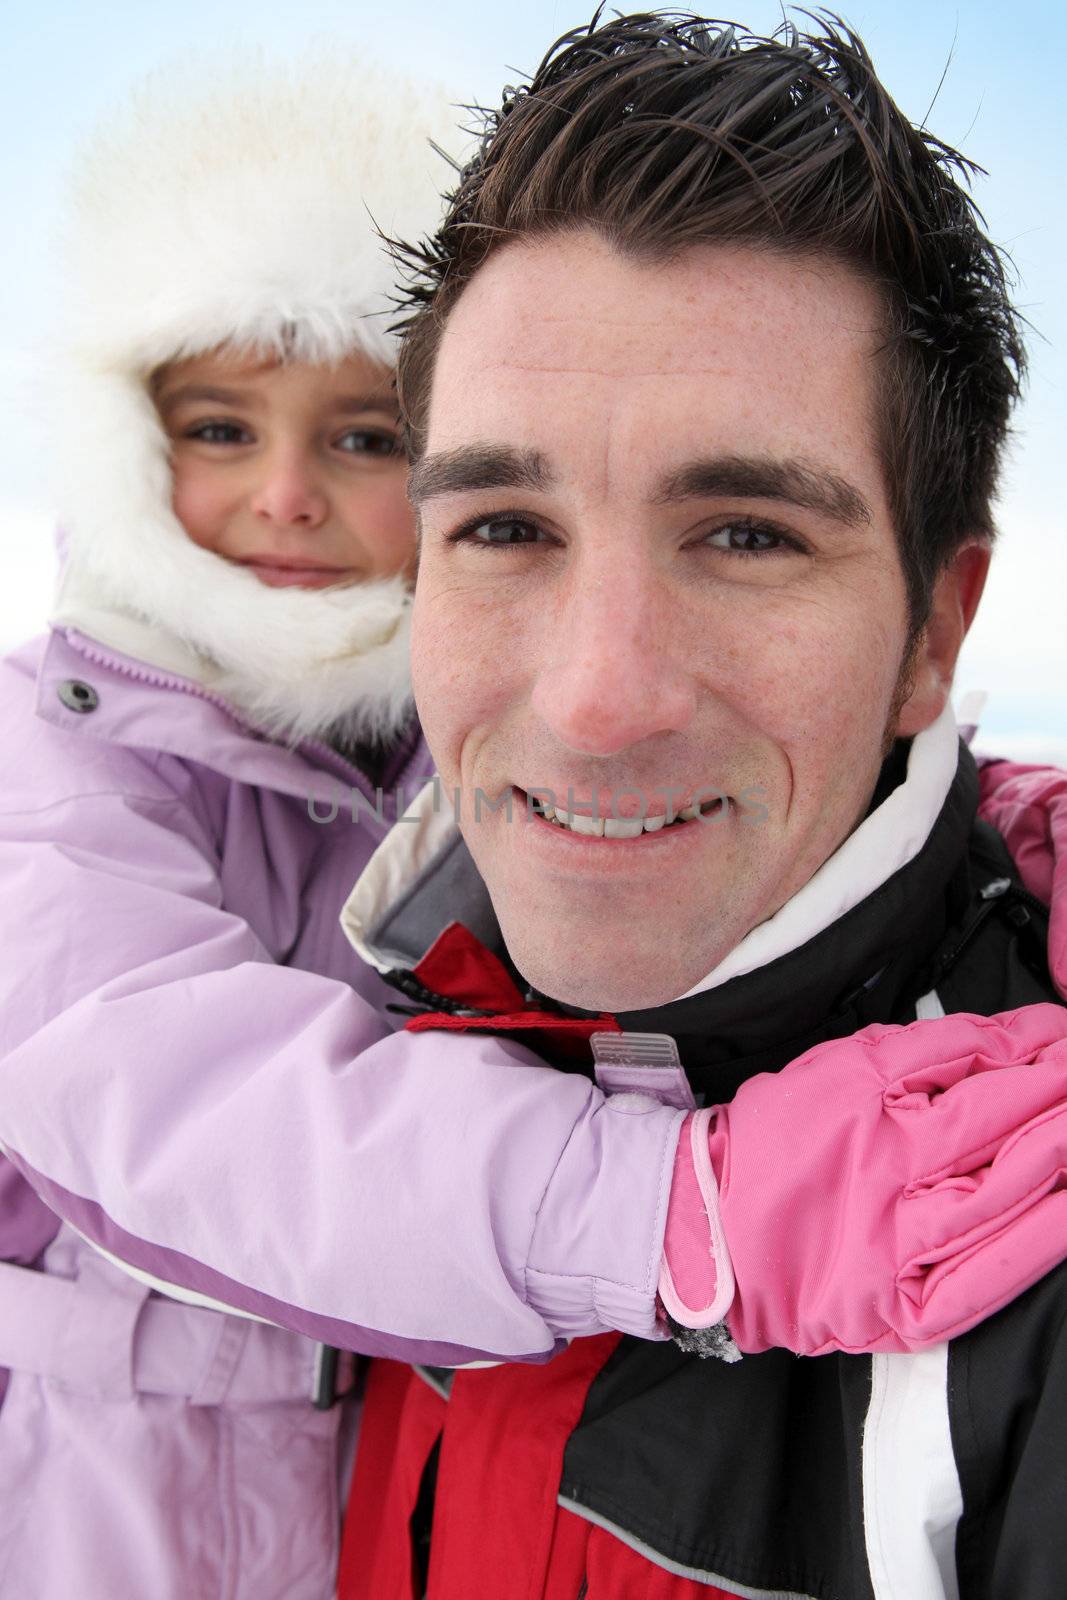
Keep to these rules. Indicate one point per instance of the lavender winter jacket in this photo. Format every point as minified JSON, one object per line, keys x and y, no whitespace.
{"x":186,"y":1038}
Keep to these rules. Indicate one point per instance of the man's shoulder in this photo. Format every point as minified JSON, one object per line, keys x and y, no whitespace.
{"x":994,"y":956}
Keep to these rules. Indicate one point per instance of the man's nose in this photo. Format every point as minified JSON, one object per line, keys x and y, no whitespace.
{"x":615,"y":670}
{"x":289,"y":494}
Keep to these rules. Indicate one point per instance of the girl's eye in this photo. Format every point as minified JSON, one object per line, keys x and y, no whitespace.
{"x":370,"y":442}
{"x":501,"y":531}
{"x":218,"y":433}
{"x":748,"y":539}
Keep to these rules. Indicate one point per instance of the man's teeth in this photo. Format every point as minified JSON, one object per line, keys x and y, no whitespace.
{"x":612,"y":827}
{"x":577,"y":823}
{"x":623,"y":827}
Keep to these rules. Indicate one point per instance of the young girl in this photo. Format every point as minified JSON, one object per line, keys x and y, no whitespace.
{"x":198,"y":1079}
{"x":228,"y":648}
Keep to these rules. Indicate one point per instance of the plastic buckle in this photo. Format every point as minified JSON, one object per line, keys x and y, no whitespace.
{"x":642,"y":1063}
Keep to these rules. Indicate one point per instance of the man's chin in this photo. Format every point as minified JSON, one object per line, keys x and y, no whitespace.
{"x":623,"y":982}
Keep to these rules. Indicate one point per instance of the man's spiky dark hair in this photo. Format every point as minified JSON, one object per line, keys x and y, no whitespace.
{"x":664,"y":130}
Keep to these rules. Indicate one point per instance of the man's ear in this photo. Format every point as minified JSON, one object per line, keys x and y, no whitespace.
{"x":957,"y":591}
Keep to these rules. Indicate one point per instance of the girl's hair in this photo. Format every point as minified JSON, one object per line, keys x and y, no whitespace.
{"x":238,"y":202}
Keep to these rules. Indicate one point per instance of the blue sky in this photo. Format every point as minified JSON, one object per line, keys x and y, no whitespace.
{"x":1001,"y":102}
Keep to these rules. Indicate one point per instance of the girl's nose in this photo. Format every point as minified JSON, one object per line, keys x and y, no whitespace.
{"x":289,"y":494}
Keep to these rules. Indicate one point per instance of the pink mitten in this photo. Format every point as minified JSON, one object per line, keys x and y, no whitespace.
{"x":1028,"y":805}
{"x":882,"y":1192}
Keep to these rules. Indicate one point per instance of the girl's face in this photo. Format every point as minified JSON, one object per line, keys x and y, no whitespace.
{"x":291,"y":470}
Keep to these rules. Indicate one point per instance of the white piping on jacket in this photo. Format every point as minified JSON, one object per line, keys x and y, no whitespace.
{"x":912,"y":1499}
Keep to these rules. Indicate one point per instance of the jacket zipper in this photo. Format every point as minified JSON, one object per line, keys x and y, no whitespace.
{"x":1001,"y":896}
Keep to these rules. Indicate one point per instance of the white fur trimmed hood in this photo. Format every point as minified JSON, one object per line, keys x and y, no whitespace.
{"x":235,"y":206}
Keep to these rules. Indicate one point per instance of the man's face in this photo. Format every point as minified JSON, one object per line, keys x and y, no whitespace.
{"x":657,"y":564}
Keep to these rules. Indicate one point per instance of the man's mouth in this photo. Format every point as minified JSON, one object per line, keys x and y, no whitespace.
{"x":600,"y":827}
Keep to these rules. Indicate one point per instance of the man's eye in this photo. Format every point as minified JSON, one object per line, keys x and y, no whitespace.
{"x":370,"y":442}
{"x":502,"y":530}
{"x":747,"y":538}
{"x":218,"y":433}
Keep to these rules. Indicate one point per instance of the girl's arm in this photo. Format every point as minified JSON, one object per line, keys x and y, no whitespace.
{"x":255,"y":1134}
{"x":1028,"y":806}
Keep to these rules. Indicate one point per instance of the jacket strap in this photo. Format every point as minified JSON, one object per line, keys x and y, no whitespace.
{"x":104,"y":1334}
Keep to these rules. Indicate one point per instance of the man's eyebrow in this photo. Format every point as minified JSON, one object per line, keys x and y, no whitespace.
{"x":801,"y":483}
{"x":475,"y":467}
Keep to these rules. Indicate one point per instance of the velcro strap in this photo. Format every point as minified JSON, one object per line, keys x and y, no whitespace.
{"x":105,"y":1334}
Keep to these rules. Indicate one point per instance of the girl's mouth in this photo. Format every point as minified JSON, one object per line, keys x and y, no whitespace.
{"x":277,"y":574}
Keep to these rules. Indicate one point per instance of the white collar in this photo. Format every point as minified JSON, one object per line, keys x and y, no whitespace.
{"x":886,"y":840}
